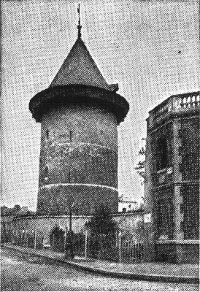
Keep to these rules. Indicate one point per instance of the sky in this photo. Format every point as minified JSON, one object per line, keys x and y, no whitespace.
{"x":149,"y":47}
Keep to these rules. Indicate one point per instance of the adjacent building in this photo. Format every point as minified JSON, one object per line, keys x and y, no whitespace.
{"x":127,"y":205}
{"x":172,"y":179}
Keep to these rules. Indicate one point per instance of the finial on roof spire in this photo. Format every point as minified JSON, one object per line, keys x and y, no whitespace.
{"x":79,"y":26}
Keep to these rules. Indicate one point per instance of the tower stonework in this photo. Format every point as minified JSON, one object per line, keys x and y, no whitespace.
{"x":79,"y":114}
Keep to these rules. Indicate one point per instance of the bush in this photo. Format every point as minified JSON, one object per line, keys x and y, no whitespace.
{"x":102,"y":222}
{"x":79,"y":243}
{"x":108,"y":249}
{"x":102,"y":241}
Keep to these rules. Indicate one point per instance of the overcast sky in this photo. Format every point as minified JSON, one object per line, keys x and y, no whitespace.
{"x":149,"y":47}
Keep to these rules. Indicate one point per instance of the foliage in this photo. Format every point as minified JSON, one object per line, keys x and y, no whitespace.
{"x":140,"y":167}
{"x":79,"y":243}
{"x":17,"y":210}
{"x":103,"y":247}
{"x":102,"y":222}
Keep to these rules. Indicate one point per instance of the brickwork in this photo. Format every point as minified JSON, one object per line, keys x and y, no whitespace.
{"x":178,"y":252}
{"x":78,"y":148}
{"x":163,"y":212}
{"x":85,"y":198}
{"x":78,"y":163}
{"x":172,"y":174}
{"x":88,"y":124}
{"x":190,"y":149}
{"x":190,"y":211}
{"x":178,"y":213}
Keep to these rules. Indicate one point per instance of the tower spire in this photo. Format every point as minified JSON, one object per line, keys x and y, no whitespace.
{"x":79,"y":26}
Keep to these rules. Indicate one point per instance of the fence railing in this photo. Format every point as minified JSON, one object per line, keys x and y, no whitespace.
{"x":132,"y":251}
{"x":117,"y":249}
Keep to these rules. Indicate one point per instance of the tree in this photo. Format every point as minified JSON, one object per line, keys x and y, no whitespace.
{"x":16,"y":209}
{"x":5,"y":211}
{"x":140,"y":167}
{"x":102,"y":234}
{"x":102,"y":222}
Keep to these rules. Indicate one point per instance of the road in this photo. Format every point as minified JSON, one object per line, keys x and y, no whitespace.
{"x":20,"y":272}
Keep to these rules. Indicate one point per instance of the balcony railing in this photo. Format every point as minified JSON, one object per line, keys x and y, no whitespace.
{"x":175,"y":103}
{"x":189,"y":101}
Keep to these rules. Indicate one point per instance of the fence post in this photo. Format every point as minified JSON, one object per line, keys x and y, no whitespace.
{"x":26,"y":241}
{"x":22,"y":237}
{"x":35,"y":239}
{"x":65,"y":242}
{"x":120,"y":246}
{"x":116,"y":236}
{"x":86,"y":242}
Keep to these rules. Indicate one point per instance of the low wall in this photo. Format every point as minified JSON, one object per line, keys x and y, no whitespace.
{"x":182,"y":251}
{"x":130,"y":225}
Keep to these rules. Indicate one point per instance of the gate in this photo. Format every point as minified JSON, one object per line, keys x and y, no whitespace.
{"x":132,"y":251}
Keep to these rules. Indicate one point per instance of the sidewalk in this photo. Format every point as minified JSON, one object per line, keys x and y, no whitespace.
{"x":163,"y":272}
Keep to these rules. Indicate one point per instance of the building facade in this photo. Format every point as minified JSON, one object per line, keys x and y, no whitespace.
{"x":79,"y":114}
{"x":127,"y":206}
{"x":172,"y":179}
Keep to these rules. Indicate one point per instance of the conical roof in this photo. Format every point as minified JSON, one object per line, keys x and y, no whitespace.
{"x":79,"y":81}
{"x":79,"y":68}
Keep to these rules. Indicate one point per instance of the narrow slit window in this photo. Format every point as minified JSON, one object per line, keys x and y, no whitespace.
{"x":46,"y":171}
{"x":70,"y":136}
{"x":47,"y":134}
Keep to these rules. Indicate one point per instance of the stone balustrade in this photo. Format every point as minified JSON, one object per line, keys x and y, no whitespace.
{"x":175,"y":103}
{"x":189,"y":101}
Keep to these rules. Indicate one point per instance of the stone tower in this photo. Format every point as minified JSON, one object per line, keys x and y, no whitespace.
{"x":79,"y":114}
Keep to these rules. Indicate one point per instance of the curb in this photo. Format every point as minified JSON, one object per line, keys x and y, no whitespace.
{"x":130,"y":276}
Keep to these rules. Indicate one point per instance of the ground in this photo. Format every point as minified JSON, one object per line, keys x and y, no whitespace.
{"x":21,"y":272}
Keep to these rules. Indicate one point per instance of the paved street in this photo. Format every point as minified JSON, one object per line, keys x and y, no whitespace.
{"x":21,"y":272}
